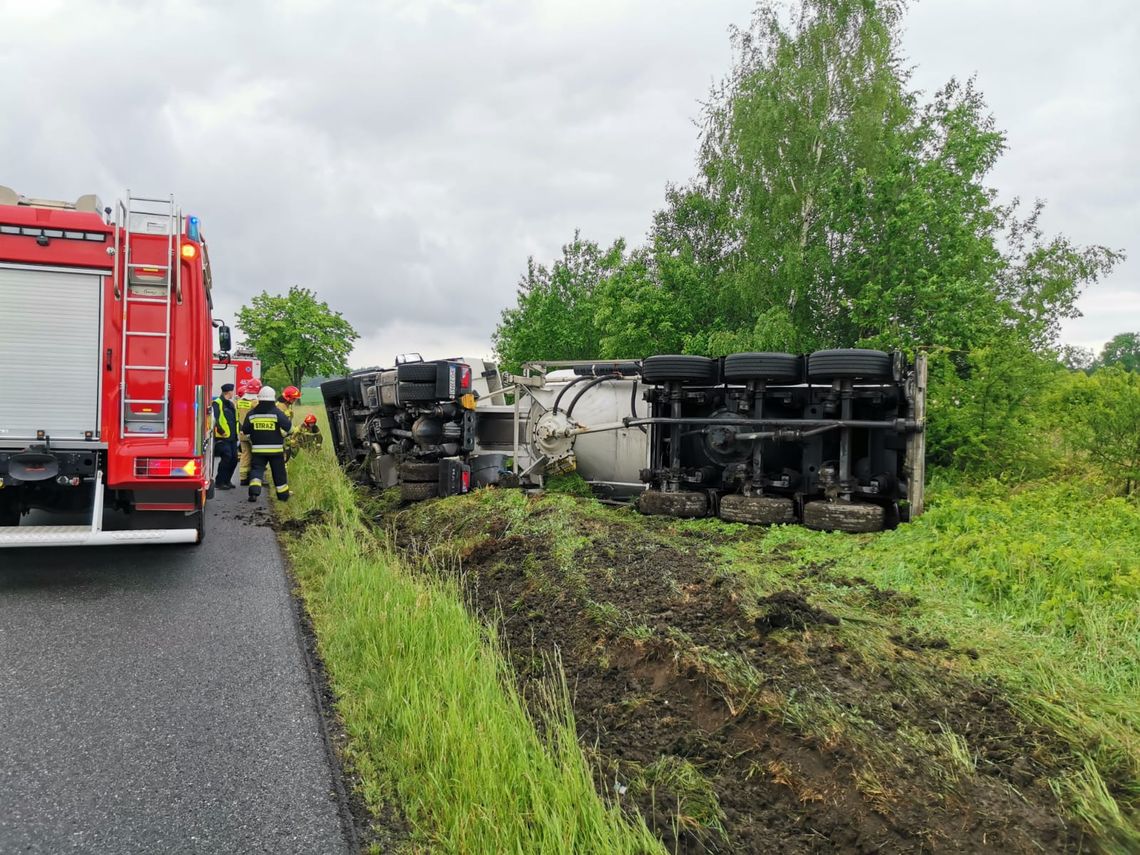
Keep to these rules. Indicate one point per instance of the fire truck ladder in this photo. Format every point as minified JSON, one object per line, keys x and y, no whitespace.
{"x":147,"y":283}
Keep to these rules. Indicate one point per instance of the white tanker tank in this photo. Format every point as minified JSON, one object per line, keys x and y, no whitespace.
{"x":571,"y":419}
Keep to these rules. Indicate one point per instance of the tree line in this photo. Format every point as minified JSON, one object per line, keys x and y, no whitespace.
{"x":836,"y":206}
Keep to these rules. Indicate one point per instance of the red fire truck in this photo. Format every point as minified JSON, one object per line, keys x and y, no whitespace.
{"x":106,"y":372}
{"x":234,"y":368}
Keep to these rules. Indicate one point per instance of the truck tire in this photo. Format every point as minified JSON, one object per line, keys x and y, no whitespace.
{"x":695,"y":370}
{"x":770,"y":367}
{"x":655,"y":503}
{"x":332,"y":389}
{"x":416,"y":372}
{"x":849,"y":364}
{"x":853,"y":517}
{"x":757,"y":510}
{"x":415,"y":470}
{"x":415,"y":392}
{"x":417,"y":491}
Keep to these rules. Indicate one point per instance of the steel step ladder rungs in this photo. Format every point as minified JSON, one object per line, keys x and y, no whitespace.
{"x":149,"y":424}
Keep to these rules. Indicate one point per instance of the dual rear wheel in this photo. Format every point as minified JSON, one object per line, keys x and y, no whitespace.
{"x":418,"y":480}
{"x":854,"y":517}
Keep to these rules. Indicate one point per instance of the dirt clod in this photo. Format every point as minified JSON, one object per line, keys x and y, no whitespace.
{"x":789,"y":610}
{"x":296,"y":525}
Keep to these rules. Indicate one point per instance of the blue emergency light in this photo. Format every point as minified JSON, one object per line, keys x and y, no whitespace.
{"x":192,"y":231}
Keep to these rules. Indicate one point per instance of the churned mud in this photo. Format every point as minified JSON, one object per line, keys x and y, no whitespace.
{"x":738,"y":719}
{"x":297,"y":525}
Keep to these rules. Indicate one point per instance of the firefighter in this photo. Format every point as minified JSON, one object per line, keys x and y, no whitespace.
{"x":267,"y":427}
{"x":247,"y":401}
{"x":225,"y":435}
{"x":290,"y":395}
{"x":308,"y":435}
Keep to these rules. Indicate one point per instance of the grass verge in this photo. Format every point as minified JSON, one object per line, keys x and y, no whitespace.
{"x":429,"y":707}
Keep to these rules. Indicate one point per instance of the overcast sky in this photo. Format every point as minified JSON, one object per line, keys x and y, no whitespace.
{"x":404,"y":157}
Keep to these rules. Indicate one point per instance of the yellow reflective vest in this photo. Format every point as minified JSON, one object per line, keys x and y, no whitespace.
{"x":222,"y":427}
{"x":243,"y":406}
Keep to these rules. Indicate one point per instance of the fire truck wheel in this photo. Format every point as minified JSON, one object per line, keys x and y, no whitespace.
{"x":686,"y":505}
{"x":770,"y":367}
{"x":416,"y":372}
{"x":417,"y":491}
{"x":415,"y":470}
{"x":757,"y":510}
{"x":849,"y":364}
{"x":844,"y":516}
{"x":695,"y":370}
{"x":415,"y":392}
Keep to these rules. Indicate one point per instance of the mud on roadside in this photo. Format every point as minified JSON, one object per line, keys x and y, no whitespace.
{"x":739,"y":720}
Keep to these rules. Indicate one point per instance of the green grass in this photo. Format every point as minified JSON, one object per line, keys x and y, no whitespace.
{"x":1042,"y":582}
{"x":311,"y":396}
{"x":434,"y":721}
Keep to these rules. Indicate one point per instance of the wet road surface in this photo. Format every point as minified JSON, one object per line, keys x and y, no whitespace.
{"x":157,"y":699}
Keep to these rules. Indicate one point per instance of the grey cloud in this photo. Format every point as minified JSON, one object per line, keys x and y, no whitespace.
{"x":1060,"y":80}
{"x":403,"y":158}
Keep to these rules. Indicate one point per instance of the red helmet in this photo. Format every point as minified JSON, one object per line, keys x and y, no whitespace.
{"x":311,"y":419}
{"x":291,"y":394}
{"x":250,"y":386}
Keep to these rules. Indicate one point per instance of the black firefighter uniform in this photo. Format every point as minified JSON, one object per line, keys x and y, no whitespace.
{"x":267,"y":427}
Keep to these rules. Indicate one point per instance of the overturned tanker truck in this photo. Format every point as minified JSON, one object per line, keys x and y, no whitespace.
{"x":832,"y":439}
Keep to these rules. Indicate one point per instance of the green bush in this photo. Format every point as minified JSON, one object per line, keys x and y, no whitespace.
{"x":986,"y":412}
{"x":1100,"y":415}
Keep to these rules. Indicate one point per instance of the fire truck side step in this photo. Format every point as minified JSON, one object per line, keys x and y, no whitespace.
{"x":148,"y":266}
{"x":147,"y":334}
{"x":82,"y":535}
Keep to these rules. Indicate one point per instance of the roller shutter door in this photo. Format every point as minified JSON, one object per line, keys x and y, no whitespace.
{"x":50,"y":328}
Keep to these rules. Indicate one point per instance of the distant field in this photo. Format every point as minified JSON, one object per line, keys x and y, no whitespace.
{"x":312,"y":395}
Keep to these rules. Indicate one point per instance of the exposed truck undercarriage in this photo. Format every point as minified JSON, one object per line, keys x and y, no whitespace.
{"x":832,"y":439}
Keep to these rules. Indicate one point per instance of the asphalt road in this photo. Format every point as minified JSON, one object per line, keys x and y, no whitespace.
{"x":156,"y":699}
